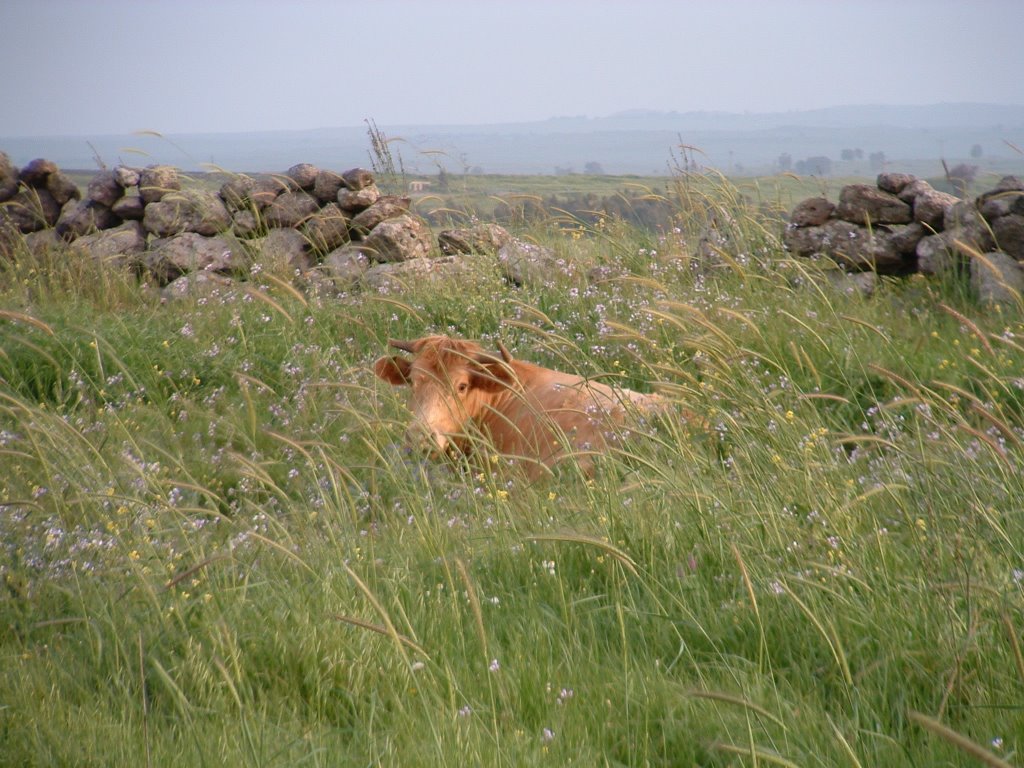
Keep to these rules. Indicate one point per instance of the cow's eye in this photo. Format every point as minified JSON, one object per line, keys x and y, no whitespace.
{"x":462,"y":388}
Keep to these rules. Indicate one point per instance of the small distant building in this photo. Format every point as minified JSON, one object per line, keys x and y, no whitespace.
{"x":419,"y":186}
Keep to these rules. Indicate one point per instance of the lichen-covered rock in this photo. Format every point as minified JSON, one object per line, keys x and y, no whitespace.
{"x":244,"y":223}
{"x":997,"y":278}
{"x":235,"y":192}
{"x":930,"y":208}
{"x":290,"y":209}
{"x":905,"y":237}
{"x":190,"y":210}
{"x":481,"y":238}
{"x":129,"y":208}
{"x":345,"y":266}
{"x":189,"y":252}
{"x":326,"y":186}
{"x":894,"y":183}
{"x":937,"y":255}
{"x":82,"y":217}
{"x":1009,"y":235}
{"x":400,"y":276}
{"x":32,"y":209}
{"x":355,"y":200}
{"x":966,"y":224}
{"x":127,"y":177}
{"x":104,"y":189}
{"x":155,"y":181}
{"x":399,"y":239}
{"x":304,"y":175}
{"x":44,"y":241}
{"x":357,"y":178}
{"x":913,"y":189}
{"x":36,"y":172}
{"x":523,"y":263}
{"x":8,"y":178}
{"x":855,"y":248}
{"x":119,"y":247}
{"x":812,"y":212}
{"x":386,"y":207}
{"x":62,"y":188}
{"x":866,"y":205}
{"x":327,"y":229}
{"x":284,"y":247}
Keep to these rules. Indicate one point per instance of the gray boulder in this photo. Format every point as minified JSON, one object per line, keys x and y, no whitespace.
{"x":127,"y":177}
{"x":62,"y":188}
{"x":284,"y":247}
{"x":82,"y":217}
{"x":327,"y":229}
{"x":1009,"y":235}
{"x":190,"y":252}
{"x":936,"y":254}
{"x":326,"y":187}
{"x":528,"y":264}
{"x":36,"y":172}
{"x":997,"y":278}
{"x":812,"y":212}
{"x":129,"y":207}
{"x":345,"y":266}
{"x":866,"y":205}
{"x":8,"y":178}
{"x":190,"y":210}
{"x":357,"y":178}
{"x":104,"y":189}
{"x":235,"y":192}
{"x":386,"y":207}
{"x":119,"y":247}
{"x":401,"y":276}
{"x":290,"y":209}
{"x":930,"y":208}
{"x":155,"y":181}
{"x":355,"y":200}
{"x":32,"y":209}
{"x":303,"y":175}
{"x":245,"y":223}
{"x":481,"y":238}
{"x":894,"y":183}
{"x":399,"y":239}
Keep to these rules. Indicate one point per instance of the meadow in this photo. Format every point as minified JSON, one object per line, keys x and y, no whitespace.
{"x":215,"y":551}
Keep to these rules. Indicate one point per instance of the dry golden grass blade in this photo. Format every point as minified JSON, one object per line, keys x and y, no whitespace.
{"x":382,"y":630}
{"x":171,"y":583}
{"x":287,"y":288}
{"x":756,"y":753}
{"x":21,"y":317}
{"x":578,"y":538}
{"x":1011,"y":633}
{"x":729,"y":698}
{"x":258,"y":294}
{"x":474,"y":603}
{"x":958,"y":740}
{"x":967,"y":322}
{"x":389,"y":626}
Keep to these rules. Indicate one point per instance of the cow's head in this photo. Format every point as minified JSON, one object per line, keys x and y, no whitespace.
{"x":451,"y":382}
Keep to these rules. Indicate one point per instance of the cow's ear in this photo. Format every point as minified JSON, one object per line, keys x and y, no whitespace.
{"x":492,"y":374}
{"x":394,"y":370}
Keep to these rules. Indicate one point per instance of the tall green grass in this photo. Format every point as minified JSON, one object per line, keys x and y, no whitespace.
{"x":215,"y":551}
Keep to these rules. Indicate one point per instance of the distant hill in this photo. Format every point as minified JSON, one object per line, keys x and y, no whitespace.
{"x":636,"y":141}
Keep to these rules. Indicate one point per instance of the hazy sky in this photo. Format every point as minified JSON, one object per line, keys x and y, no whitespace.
{"x":117,"y":66}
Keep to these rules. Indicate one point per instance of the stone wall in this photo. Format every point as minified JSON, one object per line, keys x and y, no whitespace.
{"x":901,"y":225}
{"x":319,"y":222}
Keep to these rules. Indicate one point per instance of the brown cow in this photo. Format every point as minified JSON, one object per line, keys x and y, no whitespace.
{"x":534,"y":415}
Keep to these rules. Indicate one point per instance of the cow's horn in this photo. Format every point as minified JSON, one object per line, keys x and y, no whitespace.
{"x":505,"y":354}
{"x":405,"y":346}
